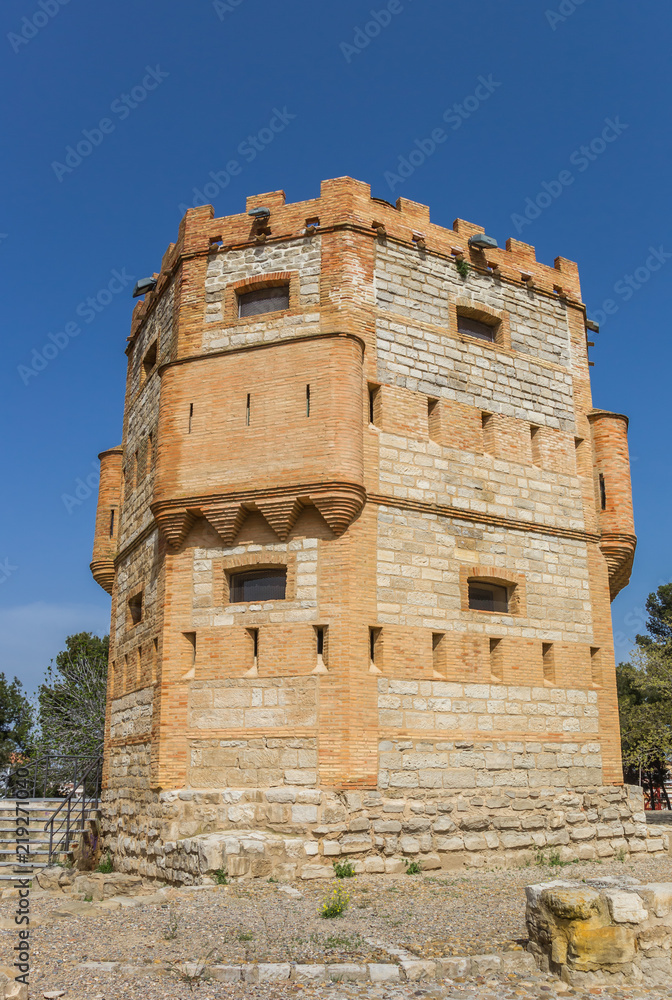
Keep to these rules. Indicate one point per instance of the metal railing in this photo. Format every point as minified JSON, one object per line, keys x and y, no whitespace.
{"x":52,"y":776}
{"x":76,"y":779}
{"x":73,"y":812}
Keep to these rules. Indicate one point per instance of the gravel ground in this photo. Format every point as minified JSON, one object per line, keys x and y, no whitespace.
{"x":427,"y":915}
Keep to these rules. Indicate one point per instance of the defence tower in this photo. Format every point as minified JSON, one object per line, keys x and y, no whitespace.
{"x":361,"y":537}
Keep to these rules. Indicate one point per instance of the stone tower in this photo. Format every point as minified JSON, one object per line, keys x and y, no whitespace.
{"x":361,"y":537}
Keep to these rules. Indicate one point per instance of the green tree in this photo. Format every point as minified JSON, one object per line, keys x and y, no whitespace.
{"x":71,"y":701}
{"x":16,"y":720}
{"x":645,"y":698}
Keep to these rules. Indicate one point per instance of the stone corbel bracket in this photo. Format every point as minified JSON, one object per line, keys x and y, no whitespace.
{"x":338,"y":503}
{"x":619,"y":553}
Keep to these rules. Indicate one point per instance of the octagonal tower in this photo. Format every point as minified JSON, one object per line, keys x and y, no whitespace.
{"x":361,"y":537}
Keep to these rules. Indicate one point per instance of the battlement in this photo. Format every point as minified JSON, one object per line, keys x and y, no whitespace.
{"x":348,"y":203}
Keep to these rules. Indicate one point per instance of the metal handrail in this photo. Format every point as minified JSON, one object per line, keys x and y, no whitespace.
{"x":66,"y":820}
{"x":44,"y":767}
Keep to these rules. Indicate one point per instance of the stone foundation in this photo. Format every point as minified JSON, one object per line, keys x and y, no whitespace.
{"x":488,"y":809}
{"x":603,"y":930}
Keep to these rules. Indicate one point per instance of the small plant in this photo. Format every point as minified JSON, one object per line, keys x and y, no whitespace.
{"x":221,"y":877}
{"x":88,"y":898}
{"x":335,"y":903}
{"x":271,"y":879}
{"x":191,"y":972}
{"x":620,"y":855}
{"x":344,"y":869}
{"x":170,"y":932}
{"x":245,"y":936}
{"x":539,"y":858}
{"x":463,"y":268}
{"x":413,"y":867}
{"x":105,"y":866}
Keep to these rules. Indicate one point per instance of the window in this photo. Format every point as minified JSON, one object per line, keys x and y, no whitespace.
{"x":148,"y":363}
{"x":476,"y":328}
{"x":112,"y":523}
{"x":439,"y":652}
{"x":263,"y":300}
{"x":135,"y":609}
{"x":307,"y":400}
{"x":488,"y":432}
{"x":603,"y":493}
{"x":375,"y":650}
{"x":258,"y":585}
{"x":596,"y":666}
{"x":434,"y":420}
{"x":488,"y":597}
{"x":374,"y":405}
{"x":321,"y":649}
{"x":548,"y":661}
{"x":496,"y":660}
{"x":535,"y":443}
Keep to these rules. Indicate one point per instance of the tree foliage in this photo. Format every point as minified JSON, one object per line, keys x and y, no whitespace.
{"x":16,"y":720}
{"x":71,"y":701}
{"x":645,"y":697}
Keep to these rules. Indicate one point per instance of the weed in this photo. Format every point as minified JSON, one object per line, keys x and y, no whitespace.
{"x":343,"y":942}
{"x":271,"y":879}
{"x":620,"y":855}
{"x":170,"y":932}
{"x":344,"y":869}
{"x":105,"y":866}
{"x":191,"y":972}
{"x":245,"y":936}
{"x":221,"y":878}
{"x":88,"y":898}
{"x":463,"y":268}
{"x":413,"y":867}
{"x":335,"y":903}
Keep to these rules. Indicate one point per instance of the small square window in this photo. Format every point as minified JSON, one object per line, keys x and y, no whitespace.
{"x":476,"y":328}
{"x":263,"y":300}
{"x":258,"y":585}
{"x":488,"y":597}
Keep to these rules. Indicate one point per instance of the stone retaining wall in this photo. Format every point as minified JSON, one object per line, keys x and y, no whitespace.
{"x":293,"y":831}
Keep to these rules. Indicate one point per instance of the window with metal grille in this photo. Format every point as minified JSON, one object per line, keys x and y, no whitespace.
{"x":475,"y":328}
{"x":488,"y":596}
{"x":263,"y":300}
{"x":258,"y":585}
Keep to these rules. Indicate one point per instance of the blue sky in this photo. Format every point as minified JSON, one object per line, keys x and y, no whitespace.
{"x":179,"y":87}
